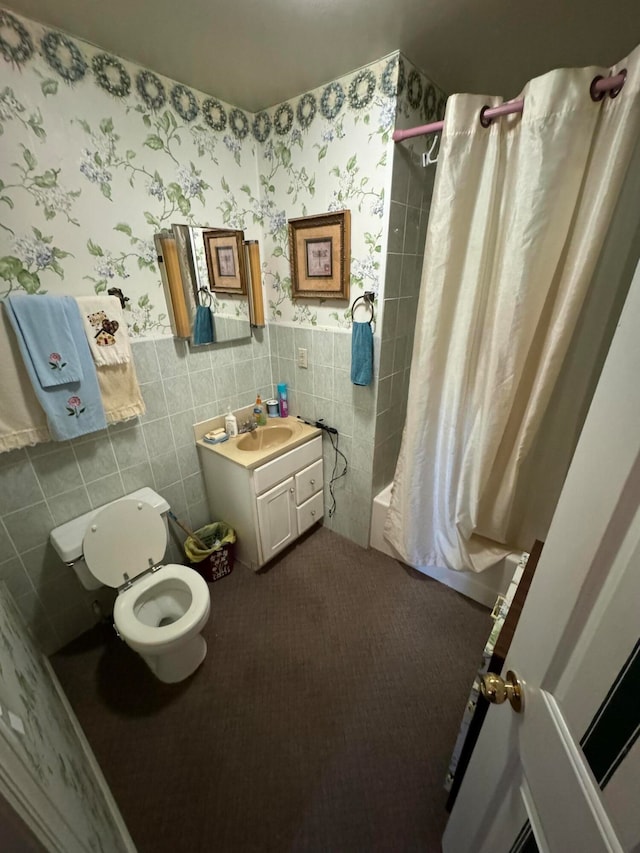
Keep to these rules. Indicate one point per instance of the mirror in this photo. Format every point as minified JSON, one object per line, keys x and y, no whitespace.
{"x":205,"y":266}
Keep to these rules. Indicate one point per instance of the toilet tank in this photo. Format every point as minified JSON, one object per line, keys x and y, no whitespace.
{"x":67,"y":539}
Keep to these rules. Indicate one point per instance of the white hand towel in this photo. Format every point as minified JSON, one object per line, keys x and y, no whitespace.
{"x":106,"y":329}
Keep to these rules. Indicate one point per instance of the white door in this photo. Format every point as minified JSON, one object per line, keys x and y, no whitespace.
{"x":277,"y":518}
{"x":564,"y":774}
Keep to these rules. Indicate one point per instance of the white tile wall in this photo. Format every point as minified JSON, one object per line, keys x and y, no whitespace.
{"x":411,"y":191}
{"x":324,"y":390}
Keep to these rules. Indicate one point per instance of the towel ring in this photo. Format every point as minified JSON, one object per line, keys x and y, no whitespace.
{"x":367,"y":298}
{"x":208,"y":296}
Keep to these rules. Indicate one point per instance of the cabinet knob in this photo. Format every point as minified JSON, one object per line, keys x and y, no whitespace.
{"x":313,"y":482}
{"x":313,"y":512}
{"x":292,"y":490}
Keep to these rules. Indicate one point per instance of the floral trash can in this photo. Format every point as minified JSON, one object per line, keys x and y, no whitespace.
{"x":217,"y":559}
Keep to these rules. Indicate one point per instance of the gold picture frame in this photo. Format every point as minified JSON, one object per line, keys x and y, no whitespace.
{"x":320,"y":252}
{"x":224,"y":252}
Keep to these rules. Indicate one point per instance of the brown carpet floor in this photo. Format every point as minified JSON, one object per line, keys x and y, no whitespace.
{"x":322,"y":719}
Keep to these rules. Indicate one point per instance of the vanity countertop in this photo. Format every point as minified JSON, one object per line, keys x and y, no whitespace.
{"x":257,"y":453}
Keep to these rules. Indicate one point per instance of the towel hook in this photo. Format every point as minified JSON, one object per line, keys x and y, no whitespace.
{"x":208,"y":296}
{"x":367,"y":297}
{"x":115,"y":291}
{"x":427,"y":158}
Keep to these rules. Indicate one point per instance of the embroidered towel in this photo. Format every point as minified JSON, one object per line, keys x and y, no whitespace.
{"x":106,"y":329}
{"x":42,"y":324}
{"x":22,"y":419}
{"x":75,"y":408}
{"x":361,"y":353}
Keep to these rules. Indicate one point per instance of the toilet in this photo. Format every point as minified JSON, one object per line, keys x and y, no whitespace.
{"x":160,"y":610}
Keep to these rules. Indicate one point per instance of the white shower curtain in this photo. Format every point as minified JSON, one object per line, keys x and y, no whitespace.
{"x":519,"y":216}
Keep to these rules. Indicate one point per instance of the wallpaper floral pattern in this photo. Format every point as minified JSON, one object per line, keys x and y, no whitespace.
{"x":419,"y":101}
{"x":48,"y":748}
{"x":98,"y":154}
{"x":331,"y":149}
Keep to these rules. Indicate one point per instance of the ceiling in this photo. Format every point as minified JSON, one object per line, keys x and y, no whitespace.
{"x":255,"y":53}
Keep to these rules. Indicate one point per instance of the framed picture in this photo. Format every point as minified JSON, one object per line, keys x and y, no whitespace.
{"x":225,"y":261}
{"x":320,"y":250}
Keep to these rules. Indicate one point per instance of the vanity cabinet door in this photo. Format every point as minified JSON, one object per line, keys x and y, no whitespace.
{"x":277,"y":518}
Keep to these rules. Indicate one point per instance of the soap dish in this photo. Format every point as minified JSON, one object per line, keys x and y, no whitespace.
{"x":215,"y":437}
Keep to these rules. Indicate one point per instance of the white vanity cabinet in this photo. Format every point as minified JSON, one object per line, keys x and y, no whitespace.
{"x":269,"y":506}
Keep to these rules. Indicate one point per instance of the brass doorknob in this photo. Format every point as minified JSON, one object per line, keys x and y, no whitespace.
{"x":497,"y":690}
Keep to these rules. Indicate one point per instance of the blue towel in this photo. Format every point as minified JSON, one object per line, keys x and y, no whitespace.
{"x":361,"y":353}
{"x":75,"y":408}
{"x":44,"y":328}
{"x":203,"y":326}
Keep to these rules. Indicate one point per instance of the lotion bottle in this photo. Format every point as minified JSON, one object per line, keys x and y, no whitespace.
{"x":231,"y":424}
{"x":258,"y":412}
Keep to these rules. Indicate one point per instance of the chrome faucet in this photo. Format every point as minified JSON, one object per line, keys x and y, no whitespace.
{"x":247,"y":426}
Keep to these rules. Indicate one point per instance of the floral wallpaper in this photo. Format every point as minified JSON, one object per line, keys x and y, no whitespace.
{"x":97,"y":155}
{"x":419,"y":101}
{"x":37,"y":736}
{"x":330,"y":149}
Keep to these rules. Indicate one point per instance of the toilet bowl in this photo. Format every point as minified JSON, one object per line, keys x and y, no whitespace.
{"x":161,"y":616}
{"x":160,"y":610}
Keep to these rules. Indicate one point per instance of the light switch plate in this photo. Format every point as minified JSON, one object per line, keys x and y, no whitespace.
{"x":302,"y":357}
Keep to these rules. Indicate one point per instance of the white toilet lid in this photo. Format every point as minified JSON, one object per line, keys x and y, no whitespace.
{"x":127,"y":537}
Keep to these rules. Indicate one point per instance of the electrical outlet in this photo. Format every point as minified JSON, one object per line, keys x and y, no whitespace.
{"x":302,"y":357}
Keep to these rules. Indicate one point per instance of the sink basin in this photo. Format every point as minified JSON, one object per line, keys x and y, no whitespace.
{"x":252,"y":449}
{"x":264,"y":438}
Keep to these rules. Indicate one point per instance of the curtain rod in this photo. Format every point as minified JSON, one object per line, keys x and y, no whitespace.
{"x":599,"y":86}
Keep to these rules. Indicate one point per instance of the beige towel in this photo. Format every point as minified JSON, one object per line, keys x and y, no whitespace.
{"x":106,"y":329}
{"x":120,"y":392}
{"x":22,"y":418}
{"x":119,"y":387}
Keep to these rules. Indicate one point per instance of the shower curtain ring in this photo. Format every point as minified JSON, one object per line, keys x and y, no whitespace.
{"x":595,"y":94}
{"x":484,"y":121}
{"x":613,"y":93}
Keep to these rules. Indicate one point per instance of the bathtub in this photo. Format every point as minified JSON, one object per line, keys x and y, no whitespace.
{"x":483,"y":587}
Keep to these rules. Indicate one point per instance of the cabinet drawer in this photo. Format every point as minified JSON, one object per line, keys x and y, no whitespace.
{"x":286,"y":465}
{"x":308,"y":482}
{"x":310,"y":512}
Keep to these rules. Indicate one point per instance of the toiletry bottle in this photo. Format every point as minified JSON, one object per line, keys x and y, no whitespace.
{"x":231,"y":424}
{"x":282,"y":400}
{"x":258,"y":412}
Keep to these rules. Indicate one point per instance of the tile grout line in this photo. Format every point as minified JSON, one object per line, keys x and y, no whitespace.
{"x":38,"y":599}
{"x":173,"y":439}
{"x":17,"y":550}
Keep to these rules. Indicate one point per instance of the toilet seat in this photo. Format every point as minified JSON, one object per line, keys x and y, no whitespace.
{"x":124,"y":541}
{"x":136,"y":632}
